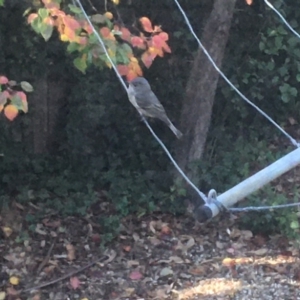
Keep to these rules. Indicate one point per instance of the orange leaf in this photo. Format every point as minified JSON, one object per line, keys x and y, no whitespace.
{"x":108,"y":15}
{"x":10,"y":112}
{"x":146,"y":24}
{"x":69,"y":34}
{"x":122,"y":69}
{"x":3,"y":80}
{"x":31,"y":17}
{"x":147,"y":59}
{"x":131,"y":75}
{"x":106,"y":33}
{"x":71,"y":23}
{"x":137,"y":42}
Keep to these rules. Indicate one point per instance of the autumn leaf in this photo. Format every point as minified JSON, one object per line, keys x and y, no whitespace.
{"x":108,"y":15}
{"x":135,"y":275}
{"x":137,"y":42}
{"x":31,"y":17}
{"x":3,"y":97}
{"x":146,"y":24}
{"x":164,"y":36}
{"x":147,"y":59}
{"x":125,"y":34}
{"x":75,"y":282}
{"x":122,"y":69}
{"x":10,"y":112}
{"x":3,"y":80}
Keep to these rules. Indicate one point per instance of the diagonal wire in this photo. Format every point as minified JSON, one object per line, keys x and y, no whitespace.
{"x":293,"y":141}
{"x":282,"y":18}
{"x":202,"y":195}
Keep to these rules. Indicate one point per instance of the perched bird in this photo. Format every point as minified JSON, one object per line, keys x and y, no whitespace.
{"x":144,"y":100}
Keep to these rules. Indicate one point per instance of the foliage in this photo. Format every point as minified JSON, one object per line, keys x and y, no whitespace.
{"x":76,"y":30}
{"x":11,"y":100}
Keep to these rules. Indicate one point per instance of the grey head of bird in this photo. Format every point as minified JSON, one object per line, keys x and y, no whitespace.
{"x":140,"y":82}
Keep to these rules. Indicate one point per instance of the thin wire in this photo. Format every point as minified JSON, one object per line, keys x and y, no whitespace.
{"x":293,"y":141}
{"x":204,"y":198}
{"x":253,"y":208}
{"x":103,"y":45}
{"x":145,"y":121}
{"x":282,"y":18}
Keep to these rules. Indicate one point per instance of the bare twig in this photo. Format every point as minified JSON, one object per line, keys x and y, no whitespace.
{"x":102,"y":259}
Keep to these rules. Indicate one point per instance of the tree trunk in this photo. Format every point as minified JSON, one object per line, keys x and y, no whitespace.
{"x":201,"y":87}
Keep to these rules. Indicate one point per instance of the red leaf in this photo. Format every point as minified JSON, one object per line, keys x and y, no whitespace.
{"x":74,"y":282}
{"x":164,"y":36}
{"x":146,"y":24}
{"x":3,"y":80}
{"x":135,"y":275}
{"x":3,"y":97}
{"x":125,"y":34}
{"x":123,"y":70}
{"x":137,"y":42}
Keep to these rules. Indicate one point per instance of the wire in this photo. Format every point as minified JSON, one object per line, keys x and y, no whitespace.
{"x":145,"y":121}
{"x":293,"y":141}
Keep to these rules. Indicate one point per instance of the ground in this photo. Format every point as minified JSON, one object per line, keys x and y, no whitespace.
{"x":159,"y":256}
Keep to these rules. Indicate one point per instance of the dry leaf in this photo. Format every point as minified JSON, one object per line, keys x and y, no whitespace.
{"x":14,"y":280}
{"x":136,"y":275}
{"x":74,"y":282}
{"x":71,"y":251}
{"x":259,"y":252}
{"x":165,"y":272}
{"x":126,"y":248}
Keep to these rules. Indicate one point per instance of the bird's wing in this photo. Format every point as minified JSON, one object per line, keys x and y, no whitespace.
{"x":148,"y":100}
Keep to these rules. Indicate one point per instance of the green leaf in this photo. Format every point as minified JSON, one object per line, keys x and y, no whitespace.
{"x":75,"y":9}
{"x":73,"y":47}
{"x":80,"y":64}
{"x":294,"y":225}
{"x":47,"y":32}
{"x":26,"y":86}
{"x":17,"y":101}
{"x":98,"y":19}
{"x":43,"y":13}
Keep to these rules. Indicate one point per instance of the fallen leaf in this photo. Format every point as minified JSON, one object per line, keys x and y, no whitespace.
{"x":71,"y":251}
{"x":14,"y":280}
{"x":126,"y":248}
{"x":259,"y":252}
{"x":7,"y":231}
{"x":136,"y":275}
{"x":165,"y":272}
{"x":2,"y":295}
{"x":74,"y":282}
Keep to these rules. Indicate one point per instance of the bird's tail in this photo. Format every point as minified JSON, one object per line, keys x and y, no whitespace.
{"x":175,"y":130}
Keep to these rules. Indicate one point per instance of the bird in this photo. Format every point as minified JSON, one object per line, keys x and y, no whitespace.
{"x":145,"y":101}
